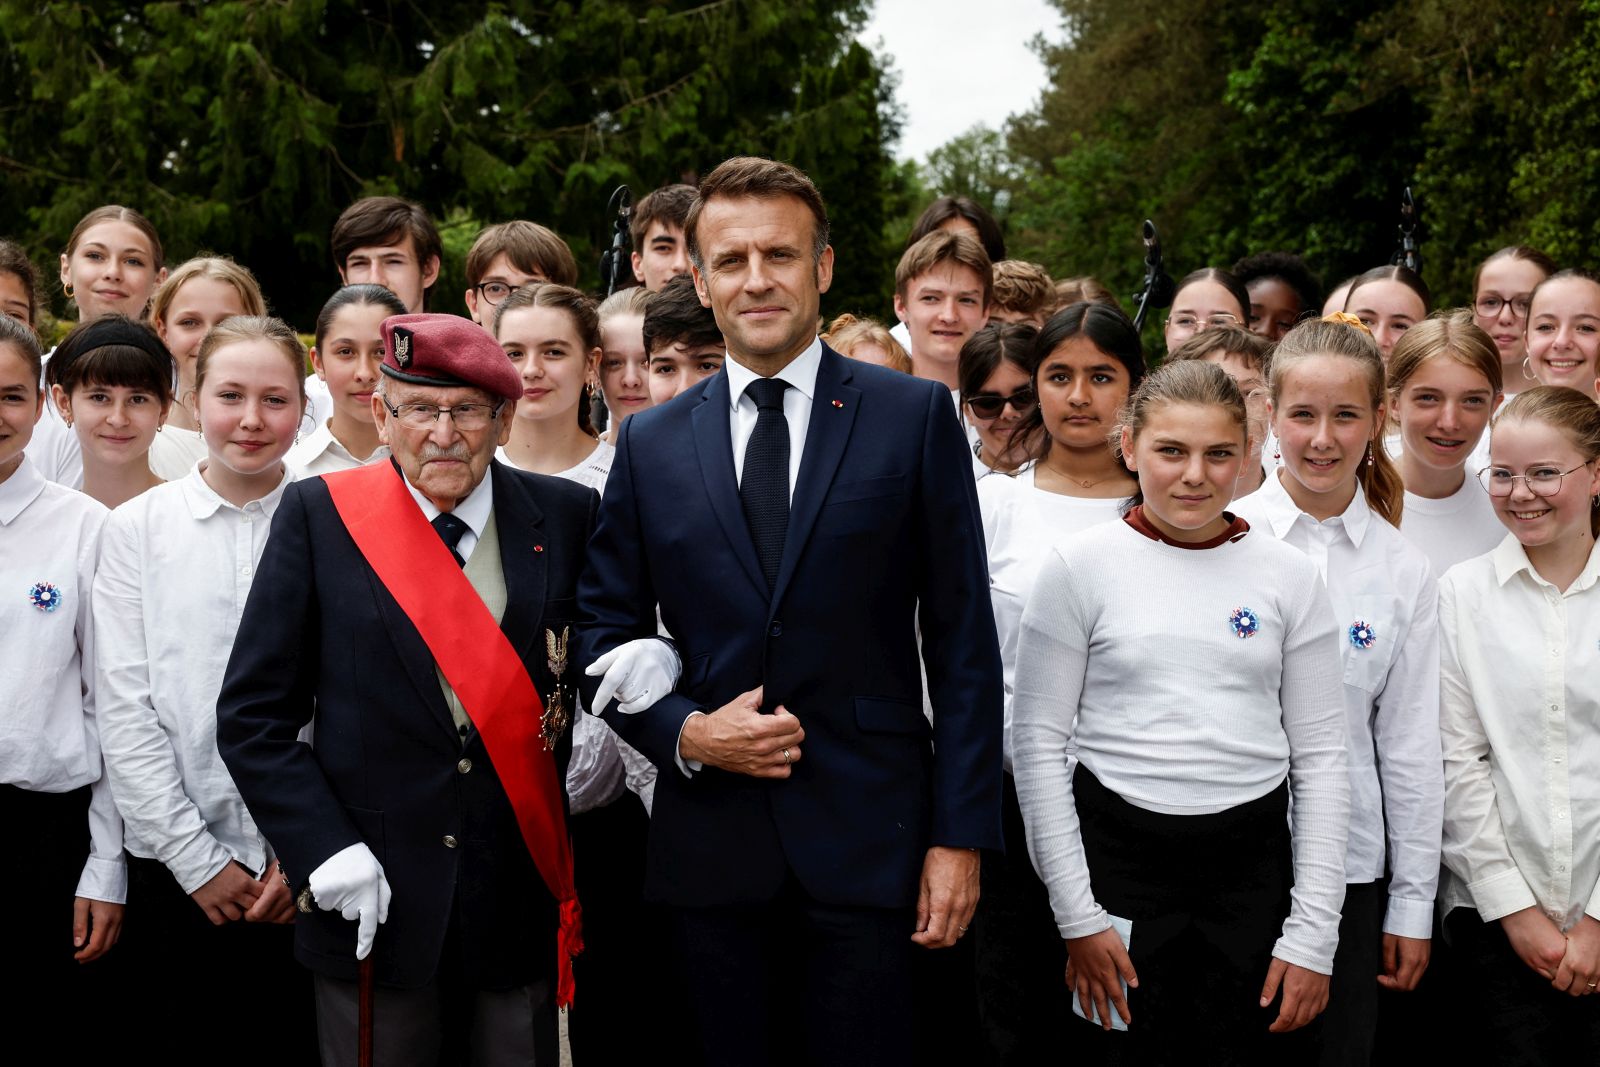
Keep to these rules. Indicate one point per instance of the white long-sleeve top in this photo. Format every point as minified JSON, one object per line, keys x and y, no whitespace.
{"x":1385,"y":606}
{"x":176,"y":565}
{"x":50,"y":535}
{"x":1521,"y":722}
{"x":1021,"y":523}
{"x":1130,"y":659}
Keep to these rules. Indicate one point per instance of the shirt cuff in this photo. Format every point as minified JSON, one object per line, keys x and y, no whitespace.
{"x":687,"y":766}
{"x":1100,"y":920}
{"x":199,"y":862}
{"x":105,"y":880}
{"x":1502,"y":894}
{"x":1311,"y":961}
{"x":1409,"y":918}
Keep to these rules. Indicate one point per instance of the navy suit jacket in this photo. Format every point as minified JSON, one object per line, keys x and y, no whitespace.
{"x":884,"y":535}
{"x":320,"y":633}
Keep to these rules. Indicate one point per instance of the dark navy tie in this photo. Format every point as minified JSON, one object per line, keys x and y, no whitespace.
{"x":764,"y":485}
{"x":450,"y":531}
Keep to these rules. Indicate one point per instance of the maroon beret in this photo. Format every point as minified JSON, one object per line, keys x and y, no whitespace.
{"x":447,"y":350}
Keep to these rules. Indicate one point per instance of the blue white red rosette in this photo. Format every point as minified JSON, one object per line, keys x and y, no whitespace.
{"x":1245,"y":623}
{"x":44,"y":596}
{"x":1362,"y":635}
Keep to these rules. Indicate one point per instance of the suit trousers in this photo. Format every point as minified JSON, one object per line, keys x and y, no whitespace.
{"x":796,"y":981}
{"x":440,"y":1024}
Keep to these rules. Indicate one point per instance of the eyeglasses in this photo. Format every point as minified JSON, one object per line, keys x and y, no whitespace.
{"x":990,"y":405}
{"x":494,"y":292}
{"x":1489,"y":304}
{"x":465,"y":416}
{"x":1541,"y":481}
{"x":1194,"y":322}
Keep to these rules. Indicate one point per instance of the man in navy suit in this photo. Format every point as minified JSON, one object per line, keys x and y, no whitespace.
{"x":796,"y":518}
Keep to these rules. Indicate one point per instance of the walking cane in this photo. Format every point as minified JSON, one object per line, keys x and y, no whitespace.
{"x":364,"y":1013}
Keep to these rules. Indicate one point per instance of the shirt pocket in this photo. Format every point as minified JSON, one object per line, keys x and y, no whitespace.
{"x":1371,"y":640}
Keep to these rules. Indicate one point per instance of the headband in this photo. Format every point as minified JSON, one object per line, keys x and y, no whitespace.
{"x":102,"y":332}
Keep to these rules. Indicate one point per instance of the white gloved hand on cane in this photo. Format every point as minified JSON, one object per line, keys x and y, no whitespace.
{"x":351,"y":882}
{"x":637,"y":674}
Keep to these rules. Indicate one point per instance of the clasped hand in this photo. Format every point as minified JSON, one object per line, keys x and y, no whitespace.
{"x":738,"y":738}
{"x":1569,"y":962}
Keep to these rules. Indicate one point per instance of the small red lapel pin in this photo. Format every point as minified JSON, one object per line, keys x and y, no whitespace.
{"x":538,"y":548}
{"x":838,"y":403}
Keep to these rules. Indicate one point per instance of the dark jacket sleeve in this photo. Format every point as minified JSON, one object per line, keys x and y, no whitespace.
{"x":269,"y":694}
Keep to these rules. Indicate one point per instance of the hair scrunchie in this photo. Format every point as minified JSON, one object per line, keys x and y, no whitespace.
{"x":1347,"y":319}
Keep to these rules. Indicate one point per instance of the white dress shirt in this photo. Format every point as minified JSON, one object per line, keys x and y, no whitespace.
{"x":176,"y":564}
{"x":322,"y":453}
{"x":474,"y":511}
{"x":48,"y":737}
{"x":801,"y":374}
{"x":175,"y":451}
{"x":1521,"y":723}
{"x":1377,"y":580}
{"x":54,"y":448}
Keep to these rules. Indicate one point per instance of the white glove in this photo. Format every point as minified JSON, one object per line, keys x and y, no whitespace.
{"x":351,"y":882}
{"x":637,"y":674}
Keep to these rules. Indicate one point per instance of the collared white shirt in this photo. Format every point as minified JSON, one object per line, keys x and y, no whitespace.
{"x":54,"y":446}
{"x":801,"y":374}
{"x":1385,"y":600}
{"x":48,"y":738}
{"x":322,"y":453}
{"x":1521,"y":723}
{"x":474,"y":511}
{"x":175,"y":451}
{"x":176,"y":565}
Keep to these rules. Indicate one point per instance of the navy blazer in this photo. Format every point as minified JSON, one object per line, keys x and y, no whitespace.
{"x":321,"y":634}
{"x":884,"y":535}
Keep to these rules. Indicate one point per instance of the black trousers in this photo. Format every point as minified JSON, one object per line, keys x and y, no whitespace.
{"x":1346,"y":1031}
{"x":1207,"y":896}
{"x":1515,"y":1017}
{"x":243,"y":994}
{"x":796,"y":981}
{"x":1024,"y":1005}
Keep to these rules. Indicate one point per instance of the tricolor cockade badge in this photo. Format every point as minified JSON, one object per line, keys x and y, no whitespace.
{"x":1244,"y":621}
{"x":44,"y":596}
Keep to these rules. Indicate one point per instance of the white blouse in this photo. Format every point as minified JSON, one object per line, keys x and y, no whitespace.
{"x":1385,"y":604}
{"x":175,"y":451}
{"x":176,"y":564}
{"x":321,"y":453}
{"x":1021,"y":523}
{"x":1521,"y":722}
{"x":49,"y":541}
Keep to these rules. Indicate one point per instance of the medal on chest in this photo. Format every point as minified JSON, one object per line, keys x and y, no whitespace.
{"x":553,"y":723}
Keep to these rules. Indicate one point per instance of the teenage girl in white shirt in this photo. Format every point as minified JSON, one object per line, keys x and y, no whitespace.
{"x":1521,"y":725}
{"x":196,"y":296}
{"x":1444,"y":384}
{"x":1501,"y":292}
{"x":1156,"y":788}
{"x":346,"y":357}
{"x":624,"y":374}
{"x":111,"y":380}
{"x":65,"y":881}
{"x":175,"y":568}
{"x":1337,"y":497}
{"x":1564,"y":331}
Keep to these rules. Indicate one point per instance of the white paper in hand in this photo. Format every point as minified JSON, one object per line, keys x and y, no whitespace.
{"x":1124,"y":929}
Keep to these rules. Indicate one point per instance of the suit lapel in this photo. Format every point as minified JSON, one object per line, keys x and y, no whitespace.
{"x":521,"y":529}
{"x":713,"y":444}
{"x":834,"y":404}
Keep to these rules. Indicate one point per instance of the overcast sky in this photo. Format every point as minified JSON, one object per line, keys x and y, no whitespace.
{"x":961,"y":62}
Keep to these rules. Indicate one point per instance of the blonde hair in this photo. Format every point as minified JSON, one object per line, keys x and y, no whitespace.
{"x":846,"y":332}
{"x":1569,"y":411}
{"x":624,"y":302}
{"x":1451,"y":335}
{"x":1084,"y":288}
{"x":239,"y":328}
{"x":1023,"y":288}
{"x":944,"y":246}
{"x":215,"y":268}
{"x":1335,"y":338}
{"x":1188,"y":381}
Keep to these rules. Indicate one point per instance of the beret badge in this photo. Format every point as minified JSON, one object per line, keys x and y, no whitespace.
{"x":402,"y":347}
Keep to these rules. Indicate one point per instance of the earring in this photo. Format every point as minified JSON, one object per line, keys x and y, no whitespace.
{"x":158,"y":429}
{"x":1277,"y":452}
{"x":66,"y":287}
{"x":1527,"y":366}
{"x":1370,"y":460}
{"x":297,"y":437}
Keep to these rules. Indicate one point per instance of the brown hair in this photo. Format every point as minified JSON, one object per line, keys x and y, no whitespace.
{"x":945,"y":208}
{"x":676,"y":316}
{"x":382,"y":220}
{"x":363,"y":294}
{"x":668,"y":205}
{"x":1023,"y":288}
{"x":1567,"y":410}
{"x":1532,"y":255}
{"x":1449,"y":334}
{"x":1218,"y":276}
{"x":1393,"y":273}
{"x":240,"y":328}
{"x":942,"y":246}
{"x":763,"y":179}
{"x":1189,"y":381}
{"x":1232,"y":340}
{"x":216,"y":268}
{"x":26,"y":341}
{"x":531,"y":248}
{"x":847,"y":331}
{"x":996,"y":343}
{"x":112,"y":350}
{"x":1084,"y":288}
{"x":579,"y":308}
{"x":1318,"y":338}
{"x":117,"y":213}
{"x":13,"y":260}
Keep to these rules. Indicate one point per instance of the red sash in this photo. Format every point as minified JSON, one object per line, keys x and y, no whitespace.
{"x":486,"y":673}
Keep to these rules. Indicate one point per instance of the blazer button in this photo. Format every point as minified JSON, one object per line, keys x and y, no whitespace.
{"x":775,"y":630}
{"x":464,"y":766}
{"x":449,"y":842}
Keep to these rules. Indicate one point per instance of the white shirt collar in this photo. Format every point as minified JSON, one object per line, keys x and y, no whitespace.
{"x":1510,"y":559}
{"x":801,"y":373}
{"x":474,"y":510}
{"x":1282,"y":512}
{"x":322,"y":442}
{"x":204,"y":502}
{"x":20,"y":490}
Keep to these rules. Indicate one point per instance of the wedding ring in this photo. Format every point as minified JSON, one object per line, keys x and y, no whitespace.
{"x":787,"y":759}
